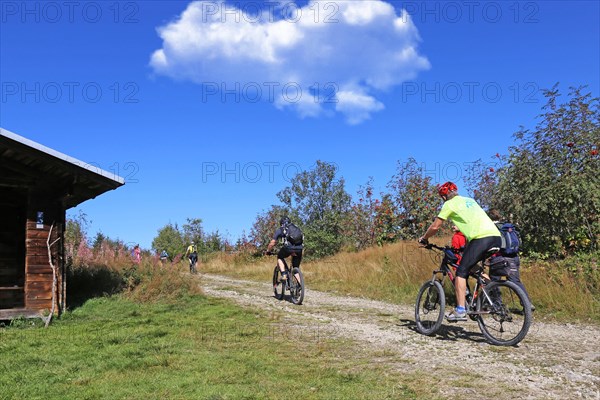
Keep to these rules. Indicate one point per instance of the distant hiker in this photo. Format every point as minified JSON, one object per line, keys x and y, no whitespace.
{"x":136,"y":254}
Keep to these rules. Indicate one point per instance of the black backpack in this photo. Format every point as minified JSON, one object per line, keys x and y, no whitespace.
{"x":293,"y":234}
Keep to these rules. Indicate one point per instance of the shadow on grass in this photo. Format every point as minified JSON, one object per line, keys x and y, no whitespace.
{"x":447,"y":332}
{"x":84,"y":283}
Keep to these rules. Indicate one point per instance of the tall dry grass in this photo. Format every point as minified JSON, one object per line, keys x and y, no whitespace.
{"x":557,"y":291}
{"x":395,"y":272}
{"x":392,"y":272}
{"x":110,"y":270}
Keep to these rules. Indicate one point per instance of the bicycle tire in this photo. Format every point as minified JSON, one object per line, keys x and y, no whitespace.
{"x":506,"y":321}
{"x":431,"y":301}
{"x":278,"y":286}
{"x":297,"y":288}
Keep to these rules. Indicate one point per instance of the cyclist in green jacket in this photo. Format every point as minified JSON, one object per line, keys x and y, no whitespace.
{"x":192,"y":254}
{"x":479,"y":230}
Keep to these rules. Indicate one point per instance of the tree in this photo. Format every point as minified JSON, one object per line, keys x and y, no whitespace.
{"x":387,"y":221}
{"x":318,"y":202}
{"x":244,"y":244}
{"x":264,"y":226}
{"x":171,"y":239}
{"x":75,"y":234}
{"x":415,"y":199}
{"x":213,"y":242}
{"x":359,"y":222}
{"x":193,"y":231}
{"x":552,"y":180}
{"x":481,"y":181}
{"x":549,"y":182}
{"x":98,"y":240}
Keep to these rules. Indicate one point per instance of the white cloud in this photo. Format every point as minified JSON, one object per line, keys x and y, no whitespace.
{"x":357,"y":106}
{"x":339,"y":54}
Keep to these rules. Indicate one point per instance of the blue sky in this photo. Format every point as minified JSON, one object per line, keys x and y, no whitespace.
{"x":136,"y":87}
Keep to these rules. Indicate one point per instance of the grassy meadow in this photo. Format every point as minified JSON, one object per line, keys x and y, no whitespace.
{"x":192,"y":348}
{"x":147,"y":331}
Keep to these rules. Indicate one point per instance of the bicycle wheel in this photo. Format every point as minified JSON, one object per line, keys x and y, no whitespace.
{"x":278,"y":286}
{"x":429,"y":309}
{"x":297,"y":286}
{"x":505,"y":317}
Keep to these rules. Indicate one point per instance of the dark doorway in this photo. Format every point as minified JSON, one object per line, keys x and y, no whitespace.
{"x":13,"y":206}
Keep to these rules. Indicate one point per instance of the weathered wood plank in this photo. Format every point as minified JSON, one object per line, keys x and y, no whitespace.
{"x":19,"y":312}
{"x":38,"y":304}
{"x":39,"y":259}
{"x":29,"y":278}
{"x":38,"y":234}
{"x":39,"y":288}
{"x":39,"y":243}
{"x":39,"y":269}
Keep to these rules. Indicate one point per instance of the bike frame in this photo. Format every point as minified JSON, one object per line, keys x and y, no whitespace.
{"x":446,"y":270}
{"x":289,"y":273}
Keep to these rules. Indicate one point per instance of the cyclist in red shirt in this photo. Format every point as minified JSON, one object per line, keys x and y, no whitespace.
{"x":459,"y":242}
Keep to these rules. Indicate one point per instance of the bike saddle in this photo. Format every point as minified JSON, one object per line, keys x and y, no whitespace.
{"x":491,"y":251}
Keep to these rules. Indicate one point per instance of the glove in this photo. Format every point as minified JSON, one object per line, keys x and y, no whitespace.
{"x":423,"y":241}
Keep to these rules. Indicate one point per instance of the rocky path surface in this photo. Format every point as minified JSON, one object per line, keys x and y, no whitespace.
{"x":555,"y":361}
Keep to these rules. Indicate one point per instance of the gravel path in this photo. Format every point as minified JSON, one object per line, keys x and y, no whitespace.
{"x":555,"y":361}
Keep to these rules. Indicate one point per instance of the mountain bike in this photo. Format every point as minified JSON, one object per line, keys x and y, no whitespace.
{"x":293,"y":284}
{"x":501,"y":308}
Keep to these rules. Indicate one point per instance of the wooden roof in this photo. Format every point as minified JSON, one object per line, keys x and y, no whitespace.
{"x":30,"y":165}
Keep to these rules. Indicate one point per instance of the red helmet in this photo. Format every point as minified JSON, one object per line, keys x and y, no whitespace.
{"x":446,"y":188}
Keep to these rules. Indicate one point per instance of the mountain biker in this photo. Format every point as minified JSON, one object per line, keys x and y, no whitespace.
{"x":193,"y":255}
{"x":288,"y":249}
{"x":477,"y":227}
{"x":514,"y":262}
{"x":164,"y":256}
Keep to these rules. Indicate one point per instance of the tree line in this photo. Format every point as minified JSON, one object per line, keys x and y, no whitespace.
{"x":548,"y":184}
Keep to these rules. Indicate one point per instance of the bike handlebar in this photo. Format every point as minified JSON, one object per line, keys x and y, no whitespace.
{"x":430,"y":246}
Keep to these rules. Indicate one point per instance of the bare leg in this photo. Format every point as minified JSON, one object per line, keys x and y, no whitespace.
{"x":461,"y":289}
{"x":281,"y":265}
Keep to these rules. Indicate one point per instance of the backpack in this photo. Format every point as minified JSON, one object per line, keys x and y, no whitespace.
{"x":293,"y":234}
{"x":499,"y":266}
{"x":511,"y":240}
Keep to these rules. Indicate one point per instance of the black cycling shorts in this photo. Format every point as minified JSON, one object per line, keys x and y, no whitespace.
{"x":296,"y":254}
{"x":475,"y":252}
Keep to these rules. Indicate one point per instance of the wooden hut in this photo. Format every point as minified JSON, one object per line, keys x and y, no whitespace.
{"x":37,"y":186}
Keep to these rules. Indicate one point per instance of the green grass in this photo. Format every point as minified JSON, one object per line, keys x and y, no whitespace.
{"x":197,"y":348}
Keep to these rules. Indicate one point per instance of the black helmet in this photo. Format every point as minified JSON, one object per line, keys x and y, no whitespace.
{"x":284,"y":221}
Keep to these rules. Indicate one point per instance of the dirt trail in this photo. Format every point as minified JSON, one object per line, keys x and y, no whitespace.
{"x":555,"y":361}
